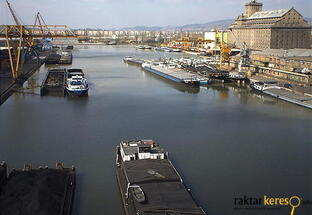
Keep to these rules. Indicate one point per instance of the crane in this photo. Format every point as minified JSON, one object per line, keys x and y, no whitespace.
{"x":245,"y":54}
{"x":225,"y":50}
{"x":19,"y":38}
{"x":41,"y":23}
{"x":13,"y":14}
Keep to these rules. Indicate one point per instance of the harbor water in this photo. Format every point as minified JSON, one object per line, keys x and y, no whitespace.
{"x":226,"y":141}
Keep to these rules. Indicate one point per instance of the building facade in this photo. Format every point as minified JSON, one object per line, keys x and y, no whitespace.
{"x":275,"y":29}
{"x":214,"y":38}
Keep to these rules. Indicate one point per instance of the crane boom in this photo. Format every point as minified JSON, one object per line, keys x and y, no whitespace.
{"x":13,"y":14}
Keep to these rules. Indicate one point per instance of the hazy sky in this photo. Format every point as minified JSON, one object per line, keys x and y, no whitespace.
{"x":122,"y":13}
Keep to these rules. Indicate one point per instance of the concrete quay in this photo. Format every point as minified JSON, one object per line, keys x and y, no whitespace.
{"x":8,"y":85}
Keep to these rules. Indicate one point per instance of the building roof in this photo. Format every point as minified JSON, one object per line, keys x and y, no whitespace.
{"x":269,"y":14}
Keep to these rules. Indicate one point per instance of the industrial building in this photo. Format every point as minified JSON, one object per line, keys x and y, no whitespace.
{"x":275,"y":29}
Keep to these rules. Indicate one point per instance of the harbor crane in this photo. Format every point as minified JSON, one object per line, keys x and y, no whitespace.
{"x":245,"y":54}
{"x":19,"y":38}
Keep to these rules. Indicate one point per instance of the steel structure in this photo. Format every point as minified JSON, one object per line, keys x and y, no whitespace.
{"x":20,"y":38}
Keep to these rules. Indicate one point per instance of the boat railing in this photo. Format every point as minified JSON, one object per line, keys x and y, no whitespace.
{"x":181,"y":180}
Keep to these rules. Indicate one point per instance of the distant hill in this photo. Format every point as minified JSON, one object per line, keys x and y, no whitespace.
{"x":142,"y":28}
{"x":309,"y":19}
{"x":222,"y":24}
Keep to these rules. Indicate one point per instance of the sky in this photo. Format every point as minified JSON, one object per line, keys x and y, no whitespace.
{"x":108,"y":14}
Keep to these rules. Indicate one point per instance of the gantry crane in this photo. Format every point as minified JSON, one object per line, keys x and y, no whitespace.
{"x":19,"y":38}
{"x":225,"y":50}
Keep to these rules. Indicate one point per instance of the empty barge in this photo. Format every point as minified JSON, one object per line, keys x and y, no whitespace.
{"x":41,"y":191}
{"x":174,"y":74}
{"x":149,"y":183}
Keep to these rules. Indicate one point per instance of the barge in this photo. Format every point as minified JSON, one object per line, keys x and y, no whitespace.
{"x":208,"y":72}
{"x":149,"y":183}
{"x":37,"y":191}
{"x":54,"y":82}
{"x":53,"y":58}
{"x":66,"y":58}
{"x":133,"y":61}
{"x":174,"y":74}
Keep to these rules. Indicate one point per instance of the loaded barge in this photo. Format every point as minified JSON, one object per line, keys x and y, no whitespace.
{"x":149,"y":183}
{"x":174,"y":74}
{"x":37,"y":191}
{"x":64,"y":57}
{"x":54,"y":82}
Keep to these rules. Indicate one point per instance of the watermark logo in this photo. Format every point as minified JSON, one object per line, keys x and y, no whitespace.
{"x":293,"y":202}
{"x":267,"y":202}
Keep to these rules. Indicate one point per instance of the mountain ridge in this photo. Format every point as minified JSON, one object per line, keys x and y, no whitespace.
{"x":221,"y":24}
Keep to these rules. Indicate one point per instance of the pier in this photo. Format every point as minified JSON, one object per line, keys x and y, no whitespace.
{"x":8,"y":84}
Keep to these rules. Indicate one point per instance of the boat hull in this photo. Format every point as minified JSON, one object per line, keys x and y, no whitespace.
{"x":79,"y":92}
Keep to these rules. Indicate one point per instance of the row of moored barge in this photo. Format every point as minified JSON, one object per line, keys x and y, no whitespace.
{"x":149,"y":183}
{"x":187,"y":71}
{"x":169,"y":71}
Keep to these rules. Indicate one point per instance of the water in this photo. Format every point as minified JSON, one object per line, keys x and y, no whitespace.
{"x":225,"y":141}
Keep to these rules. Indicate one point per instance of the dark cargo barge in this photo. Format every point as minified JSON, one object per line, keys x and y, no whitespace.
{"x":54,"y":82}
{"x":149,"y":183}
{"x":53,"y":58}
{"x":64,"y":57}
{"x":41,"y":191}
{"x":133,"y":61}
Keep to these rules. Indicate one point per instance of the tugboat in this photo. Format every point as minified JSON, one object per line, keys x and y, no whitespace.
{"x":76,"y":84}
{"x":149,"y":183}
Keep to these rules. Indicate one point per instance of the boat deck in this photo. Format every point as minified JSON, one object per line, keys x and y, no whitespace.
{"x":137,"y":62}
{"x":37,"y":191}
{"x":164,"y":190}
{"x":303,"y":100}
{"x":177,"y":73}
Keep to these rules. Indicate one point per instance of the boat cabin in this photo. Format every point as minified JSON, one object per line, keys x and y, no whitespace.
{"x":142,"y":149}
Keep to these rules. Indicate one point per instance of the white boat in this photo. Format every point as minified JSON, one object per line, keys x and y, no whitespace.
{"x":76,"y":83}
{"x":237,"y":75}
{"x":265,"y":85}
{"x":176,"y":50}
